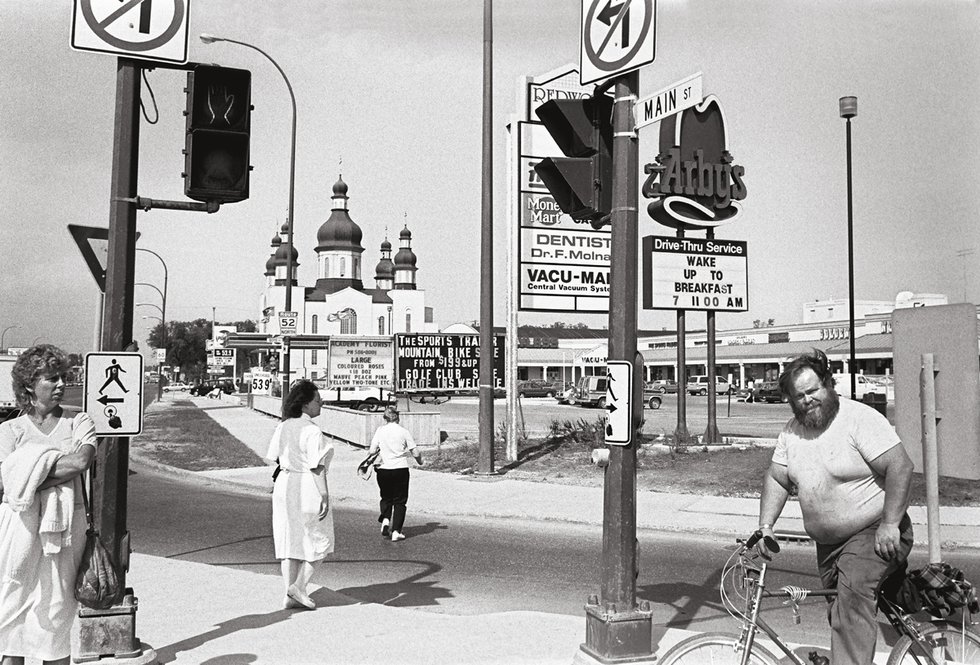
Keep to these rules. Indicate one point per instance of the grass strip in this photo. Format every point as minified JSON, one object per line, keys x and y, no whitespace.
{"x":183,"y":436}
{"x":734,"y":471}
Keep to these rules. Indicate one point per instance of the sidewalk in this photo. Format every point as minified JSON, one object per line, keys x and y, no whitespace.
{"x":247,"y":627}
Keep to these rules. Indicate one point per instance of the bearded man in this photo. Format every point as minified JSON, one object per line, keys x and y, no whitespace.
{"x":852,"y":477}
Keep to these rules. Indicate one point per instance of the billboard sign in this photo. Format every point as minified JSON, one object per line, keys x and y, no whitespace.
{"x":443,"y":361}
{"x":564,"y":265}
{"x":357,"y":362}
{"x":694,"y":273}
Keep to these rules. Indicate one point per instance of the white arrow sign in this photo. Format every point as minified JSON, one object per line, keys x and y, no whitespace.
{"x":619,"y":399}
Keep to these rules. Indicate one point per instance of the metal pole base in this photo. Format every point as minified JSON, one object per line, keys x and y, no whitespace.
{"x":711,"y":434}
{"x":616,"y":637}
{"x":681,"y":436}
{"x":109,"y":636}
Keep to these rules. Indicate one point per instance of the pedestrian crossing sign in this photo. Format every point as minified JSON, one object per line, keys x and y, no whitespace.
{"x":113,"y":394}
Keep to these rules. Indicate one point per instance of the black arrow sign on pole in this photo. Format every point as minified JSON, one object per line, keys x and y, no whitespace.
{"x":621,"y":12}
{"x":105,"y":399}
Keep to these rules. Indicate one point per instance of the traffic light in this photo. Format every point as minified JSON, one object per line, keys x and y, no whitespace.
{"x":216,"y":149}
{"x":581,"y":182}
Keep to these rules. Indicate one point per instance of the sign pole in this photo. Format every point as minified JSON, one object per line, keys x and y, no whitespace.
{"x":113,"y":631}
{"x":616,"y":629}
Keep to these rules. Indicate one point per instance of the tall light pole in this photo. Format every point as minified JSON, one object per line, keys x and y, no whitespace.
{"x":163,"y":314}
{"x":4,"y":334}
{"x":210,"y":39}
{"x":848,"y":110}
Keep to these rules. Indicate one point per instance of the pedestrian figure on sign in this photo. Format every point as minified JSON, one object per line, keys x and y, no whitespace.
{"x":302,"y":522}
{"x":112,"y":376}
{"x":396,"y":446}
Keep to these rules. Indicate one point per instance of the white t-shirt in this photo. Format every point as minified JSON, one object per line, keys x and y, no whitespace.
{"x":396,"y":445}
{"x":839,"y":492}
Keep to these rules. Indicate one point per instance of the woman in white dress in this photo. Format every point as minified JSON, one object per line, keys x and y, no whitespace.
{"x":42,"y":514}
{"x":302,"y":523}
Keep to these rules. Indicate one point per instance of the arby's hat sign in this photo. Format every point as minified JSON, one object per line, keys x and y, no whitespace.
{"x":694,"y":183}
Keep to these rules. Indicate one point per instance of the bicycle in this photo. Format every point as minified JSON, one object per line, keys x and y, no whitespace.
{"x":920,"y":643}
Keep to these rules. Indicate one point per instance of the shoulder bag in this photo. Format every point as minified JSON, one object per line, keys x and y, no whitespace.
{"x":97,"y":584}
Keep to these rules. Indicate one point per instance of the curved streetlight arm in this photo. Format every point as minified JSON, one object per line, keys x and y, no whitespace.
{"x":152,"y":286}
{"x":210,"y":39}
{"x":4,"y":334}
{"x":149,"y":304}
{"x":163,"y":309}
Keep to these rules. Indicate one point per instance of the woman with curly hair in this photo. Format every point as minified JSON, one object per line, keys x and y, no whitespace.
{"x":302,"y":523}
{"x":43,"y":454}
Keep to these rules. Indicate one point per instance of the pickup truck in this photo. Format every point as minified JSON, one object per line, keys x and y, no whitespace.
{"x":359,"y":398}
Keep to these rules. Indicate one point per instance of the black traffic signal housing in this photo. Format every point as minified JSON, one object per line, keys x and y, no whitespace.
{"x":581,"y":182}
{"x":216,"y":150}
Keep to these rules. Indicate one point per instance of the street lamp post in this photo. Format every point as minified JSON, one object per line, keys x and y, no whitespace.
{"x":4,"y":334}
{"x":848,"y":110}
{"x":163,"y":313}
{"x":210,"y":39}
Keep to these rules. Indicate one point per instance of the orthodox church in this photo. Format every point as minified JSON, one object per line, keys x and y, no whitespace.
{"x":339,"y":303}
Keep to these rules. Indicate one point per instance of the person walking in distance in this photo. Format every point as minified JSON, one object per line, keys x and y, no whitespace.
{"x":302,"y":522}
{"x":395,"y":445}
{"x":852,"y":476}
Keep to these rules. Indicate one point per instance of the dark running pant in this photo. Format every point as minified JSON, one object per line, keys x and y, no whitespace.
{"x":393,"y":484}
{"x":853,"y":568}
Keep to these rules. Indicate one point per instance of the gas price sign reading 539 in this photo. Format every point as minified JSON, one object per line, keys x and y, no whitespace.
{"x":692,"y":273}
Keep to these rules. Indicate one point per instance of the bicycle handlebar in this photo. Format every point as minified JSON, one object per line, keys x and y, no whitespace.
{"x":769,"y":541}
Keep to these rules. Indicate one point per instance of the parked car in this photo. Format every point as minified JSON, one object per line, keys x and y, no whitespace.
{"x":538,"y":388}
{"x":590,"y":391}
{"x":769,"y":392}
{"x":698,"y":385}
{"x":176,"y":386}
{"x":862,"y":386}
{"x":651,"y":398}
{"x":662,"y":386}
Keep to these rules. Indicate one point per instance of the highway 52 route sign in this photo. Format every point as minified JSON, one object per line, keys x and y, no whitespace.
{"x":617,"y":36}
{"x":113,"y":394}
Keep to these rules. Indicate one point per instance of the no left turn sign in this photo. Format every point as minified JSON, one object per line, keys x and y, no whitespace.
{"x":150,"y":29}
{"x":617,"y":36}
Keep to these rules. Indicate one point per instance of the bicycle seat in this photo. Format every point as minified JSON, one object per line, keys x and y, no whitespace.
{"x":896,"y":587}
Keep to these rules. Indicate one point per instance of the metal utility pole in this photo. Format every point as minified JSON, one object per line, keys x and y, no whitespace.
{"x":485,"y":465}
{"x":848,"y":110}
{"x":711,"y":433}
{"x":112,"y":631}
{"x":617,"y":630}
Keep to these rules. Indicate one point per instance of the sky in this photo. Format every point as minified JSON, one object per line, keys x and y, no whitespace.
{"x":389,"y":94}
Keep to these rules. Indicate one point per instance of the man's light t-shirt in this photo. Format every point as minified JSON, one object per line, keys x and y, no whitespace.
{"x":839,"y":492}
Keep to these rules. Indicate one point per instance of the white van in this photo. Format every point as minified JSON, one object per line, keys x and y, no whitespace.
{"x":862,"y":386}
{"x":698,"y":385}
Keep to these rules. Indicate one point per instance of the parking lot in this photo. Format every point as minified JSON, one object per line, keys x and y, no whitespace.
{"x":734,"y":418}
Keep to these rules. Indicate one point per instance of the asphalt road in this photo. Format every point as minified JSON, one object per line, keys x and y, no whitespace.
{"x":466,"y":565}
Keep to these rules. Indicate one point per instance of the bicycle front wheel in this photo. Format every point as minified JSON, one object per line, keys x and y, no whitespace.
{"x":714,"y":649}
{"x":946,"y":643}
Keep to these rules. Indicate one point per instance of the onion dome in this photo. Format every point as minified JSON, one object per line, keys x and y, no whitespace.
{"x":405,"y":258}
{"x":270,"y":265}
{"x":339,"y":232}
{"x":384,"y":273}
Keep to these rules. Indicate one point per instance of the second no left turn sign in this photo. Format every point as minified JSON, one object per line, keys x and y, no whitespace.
{"x":150,"y":29}
{"x":617,"y":36}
